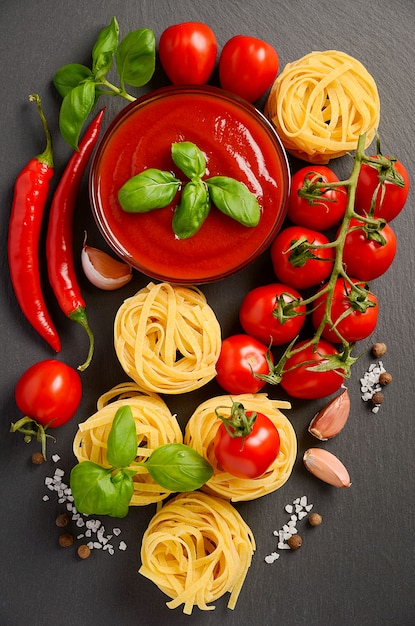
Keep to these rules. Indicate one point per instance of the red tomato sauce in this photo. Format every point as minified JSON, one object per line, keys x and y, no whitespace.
{"x":236,"y":142}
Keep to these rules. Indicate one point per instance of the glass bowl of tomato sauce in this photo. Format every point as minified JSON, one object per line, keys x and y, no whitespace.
{"x":236,"y":140}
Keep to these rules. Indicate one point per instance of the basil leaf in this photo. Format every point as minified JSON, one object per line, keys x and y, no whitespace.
{"x":76,"y":106}
{"x":70,"y":76}
{"x":234,"y":199}
{"x":124,"y":486}
{"x":178,"y":467}
{"x":189,"y":158}
{"x":151,"y":189}
{"x":136,"y":57}
{"x":122,"y":439}
{"x":192,"y":210}
{"x":95,"y":492}
{"x":104,"y":49}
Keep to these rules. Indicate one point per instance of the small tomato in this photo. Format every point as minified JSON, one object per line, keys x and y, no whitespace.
{"x":242,"y":356}
{"x":368,"y":254}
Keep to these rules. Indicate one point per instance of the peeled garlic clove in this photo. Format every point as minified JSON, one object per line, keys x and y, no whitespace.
{"x":102,"y":270}
{"x":330,"y":420}
{"x":327,"y":467}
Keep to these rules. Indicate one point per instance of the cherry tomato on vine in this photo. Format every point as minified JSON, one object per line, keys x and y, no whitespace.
{"x":294,"y":263}
{"x":301,"y":382}
{"x":390,"y":198}
{"x":250,"y":455}
{"x":242,"y":356}
{"x":247,"y":67}
{"x":365,"y":256}
{"x":49,"y":392}
{"x":188,"y":52}
{"x":321,"y":211}
{"x":363,"y":309}
{"x":265,"y":316}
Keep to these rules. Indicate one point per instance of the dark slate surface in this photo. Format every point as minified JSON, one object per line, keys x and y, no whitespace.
{"x":358,"y":567}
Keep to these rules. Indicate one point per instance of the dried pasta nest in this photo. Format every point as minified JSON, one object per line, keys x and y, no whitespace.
{"x":321,"y":104}
{"x":195,"y":549}
{"x":167,"y":338}
{"x":200,"y":434}
{"x":155,"y":426}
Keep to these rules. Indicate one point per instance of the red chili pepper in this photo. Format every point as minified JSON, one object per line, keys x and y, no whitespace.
{"x":59,"y":238}
{"x":29,"y":200}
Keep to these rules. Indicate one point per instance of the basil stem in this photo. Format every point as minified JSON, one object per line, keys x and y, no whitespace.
{"x":192,"y":209}
{"x":234,"y":199}
{"x":178,"y":467}
{"x":151,"y":189}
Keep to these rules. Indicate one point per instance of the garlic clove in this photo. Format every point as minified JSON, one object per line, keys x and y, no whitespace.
{"x":102,"y":270}
{"x":327,"y":467}
{"x":331,"y":419}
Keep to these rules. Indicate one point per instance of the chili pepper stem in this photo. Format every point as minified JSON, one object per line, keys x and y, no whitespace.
{"x":79,"y":316}
{"x":46,"y":156}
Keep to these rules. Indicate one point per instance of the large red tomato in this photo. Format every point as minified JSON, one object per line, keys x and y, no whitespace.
{"x":386,"y":188}
{"x":299,"y":381}
{"x":262,"y":314}
{"x":188,"y":52}
{"x":354,"y":312}
{"x":247,"y":67}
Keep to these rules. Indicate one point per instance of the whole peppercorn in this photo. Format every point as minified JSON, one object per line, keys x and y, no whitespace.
{"x":37,"y":458}
{"x":315,"y":519}
{"x":378,"y":398}
{"x":65,"y":540}
{"x":385,"y":378}
{"x":84,"y":551}
{"x":62,"y":520}
{"x":295,"y":542}
{"x":379,"y":349}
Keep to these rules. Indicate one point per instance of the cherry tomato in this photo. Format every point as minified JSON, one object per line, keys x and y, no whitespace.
{"x":188,"y":52}
{"x":359,"y":323}
{"x":319,"y":212}
{"x":390,"y":198}
{"x":49,"y":392}
{"x":247,"y":67}
{"x":251,"y":457}
{"x":241,"y":356}
{"x":302,"y":382}
{"x":301,"y":268}
{"x":365,"y":258}
{"x":258,"y":319}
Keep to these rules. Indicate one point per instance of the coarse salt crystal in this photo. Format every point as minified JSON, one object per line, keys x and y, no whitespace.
{"x":289,"y":508}
{"x":56,"y":458}
{"x":45,"y":498}
{"x":116,"y":531}
{"x":271,"y":558}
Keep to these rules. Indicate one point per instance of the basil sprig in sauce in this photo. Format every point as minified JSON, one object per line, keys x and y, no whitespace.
{"x":156,"y":189}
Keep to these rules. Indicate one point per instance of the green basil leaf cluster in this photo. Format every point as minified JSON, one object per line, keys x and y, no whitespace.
{"x":99,"y":490}
{"x":81,"y":86}
{"x":156,"y":189}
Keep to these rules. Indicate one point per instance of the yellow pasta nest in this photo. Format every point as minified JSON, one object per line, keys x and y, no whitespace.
{"x":155,"y":426}
{"x":196,"y":549}
{"x":167,"y":338}
{"x":200,"y":434}
{"x":321,"y":104}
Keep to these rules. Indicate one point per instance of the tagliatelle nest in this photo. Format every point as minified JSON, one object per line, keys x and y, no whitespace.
{"x":167,"y":338}
{"x":321,"y":104}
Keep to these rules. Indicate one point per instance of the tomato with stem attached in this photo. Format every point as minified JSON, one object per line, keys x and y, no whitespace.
{"x":188,"y":52}
{"x":382,"y":188}
{"x":369,"y":250}
{"x":246,"y":443}
{"x":353,"y":312}
{"x":315,"y":206}
{"x":298,"y":258}
{"x":247,"y":67}
{"x":272,"y":313}
{"x":299,"y":380}
{"x":240,"y":358}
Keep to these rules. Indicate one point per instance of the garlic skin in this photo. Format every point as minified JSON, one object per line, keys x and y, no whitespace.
{"x":327,"y":467}
{"x":331,"y":419}
{"x":102,"y":270}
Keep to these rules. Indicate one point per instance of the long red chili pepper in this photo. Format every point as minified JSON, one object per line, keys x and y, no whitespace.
{"x":29,"y":200}
{"x":59,"y":238}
